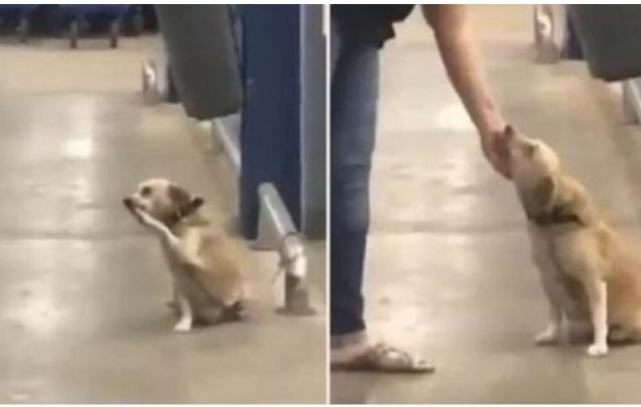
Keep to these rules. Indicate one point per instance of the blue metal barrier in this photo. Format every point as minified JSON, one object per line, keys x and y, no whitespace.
{"x":270,"y":130}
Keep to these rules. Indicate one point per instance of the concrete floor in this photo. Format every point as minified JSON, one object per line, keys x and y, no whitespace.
{"x":83,"y":287}
{"x":448,"y":272}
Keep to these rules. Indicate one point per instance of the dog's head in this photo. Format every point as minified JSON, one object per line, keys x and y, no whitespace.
{"x":163,"y":200}
{"x":535,"y":169}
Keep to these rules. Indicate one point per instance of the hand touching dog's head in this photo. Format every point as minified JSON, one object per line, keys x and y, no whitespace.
{"x":536,"y":169}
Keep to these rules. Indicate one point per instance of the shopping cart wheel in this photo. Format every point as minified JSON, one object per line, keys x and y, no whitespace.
{"x":114,"y":31}
{"x":74,"y":33}
{"x":23,"y":29}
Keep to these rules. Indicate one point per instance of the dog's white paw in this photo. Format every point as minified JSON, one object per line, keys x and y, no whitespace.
{"x":144,"y":217}
{"x":183,"y":326}
{"x":548,"y":336}
{"x":598,"y":349}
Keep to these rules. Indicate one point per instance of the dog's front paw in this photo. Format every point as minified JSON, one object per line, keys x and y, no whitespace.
{"x":131,"y":207}
{"x":143,"y":217}
{"x":598,"y":349}
{"x":549,"y":336}
{"x":183,"y":326}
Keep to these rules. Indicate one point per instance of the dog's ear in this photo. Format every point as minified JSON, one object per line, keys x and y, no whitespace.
{"x":197,"y":202}
{"x":184,"y":200}
{"x":179,"y":196}
{"x":539,"y":199}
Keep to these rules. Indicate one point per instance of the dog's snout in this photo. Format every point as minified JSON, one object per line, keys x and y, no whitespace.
{"x":128,"y":202}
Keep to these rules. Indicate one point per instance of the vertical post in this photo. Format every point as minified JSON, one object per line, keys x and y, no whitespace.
{"x":276,"y":231}
{"x":313,"y":109}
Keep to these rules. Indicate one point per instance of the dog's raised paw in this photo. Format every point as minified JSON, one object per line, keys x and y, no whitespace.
{"x":598,"y":350}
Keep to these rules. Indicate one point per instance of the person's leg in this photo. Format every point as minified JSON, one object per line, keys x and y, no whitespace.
{"x":354,"y":93}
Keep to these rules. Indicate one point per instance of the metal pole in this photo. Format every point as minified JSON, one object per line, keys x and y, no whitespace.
{"x":276,"y":231}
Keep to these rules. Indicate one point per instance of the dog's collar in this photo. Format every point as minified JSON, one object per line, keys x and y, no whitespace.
{"x":556,"y":216}
{"x":185,"y":211}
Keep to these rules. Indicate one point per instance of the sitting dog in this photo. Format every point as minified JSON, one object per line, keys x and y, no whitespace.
{"x":208,"y":286}
{"x":589,"y":277}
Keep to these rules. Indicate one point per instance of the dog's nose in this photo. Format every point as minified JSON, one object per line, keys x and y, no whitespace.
{"x":128,"y":202}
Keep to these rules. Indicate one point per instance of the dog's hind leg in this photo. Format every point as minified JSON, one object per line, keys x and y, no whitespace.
{"x":211,"y":315}
{"x":217,"y":314}
{"x":627,"y":332}
{"x":167,"y":236}
{"x":597,"y":292}
{"x":172,"y":303}
{"x":620,"y":335}
{"x":186,"y":320}
{"x":551,"y":333}
{"x":553,"y":291}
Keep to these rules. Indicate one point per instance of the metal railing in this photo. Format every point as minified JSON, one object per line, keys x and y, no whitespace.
{"x":276,"y":231}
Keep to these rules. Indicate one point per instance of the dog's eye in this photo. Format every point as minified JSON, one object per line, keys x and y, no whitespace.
{"x":145,"y":191}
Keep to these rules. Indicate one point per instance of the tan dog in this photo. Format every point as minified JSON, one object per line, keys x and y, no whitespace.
{"x":587,"y":274}
{"x":207,"y":283}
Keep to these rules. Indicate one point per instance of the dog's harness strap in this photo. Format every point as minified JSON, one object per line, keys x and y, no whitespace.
{"x":185,"y":211}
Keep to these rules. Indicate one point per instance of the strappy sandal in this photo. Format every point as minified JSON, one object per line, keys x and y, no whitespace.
{"x":384,"y":359}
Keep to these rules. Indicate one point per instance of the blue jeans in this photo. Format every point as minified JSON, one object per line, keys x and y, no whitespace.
{"x":354,"y":95}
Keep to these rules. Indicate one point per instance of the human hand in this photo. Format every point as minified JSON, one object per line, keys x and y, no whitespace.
{"x":495,"y":147}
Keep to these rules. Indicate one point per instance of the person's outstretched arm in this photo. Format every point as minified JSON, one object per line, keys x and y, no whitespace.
{"x":453,"y":33}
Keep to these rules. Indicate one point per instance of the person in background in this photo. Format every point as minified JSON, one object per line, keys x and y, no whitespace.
{"x":358,"y":34}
